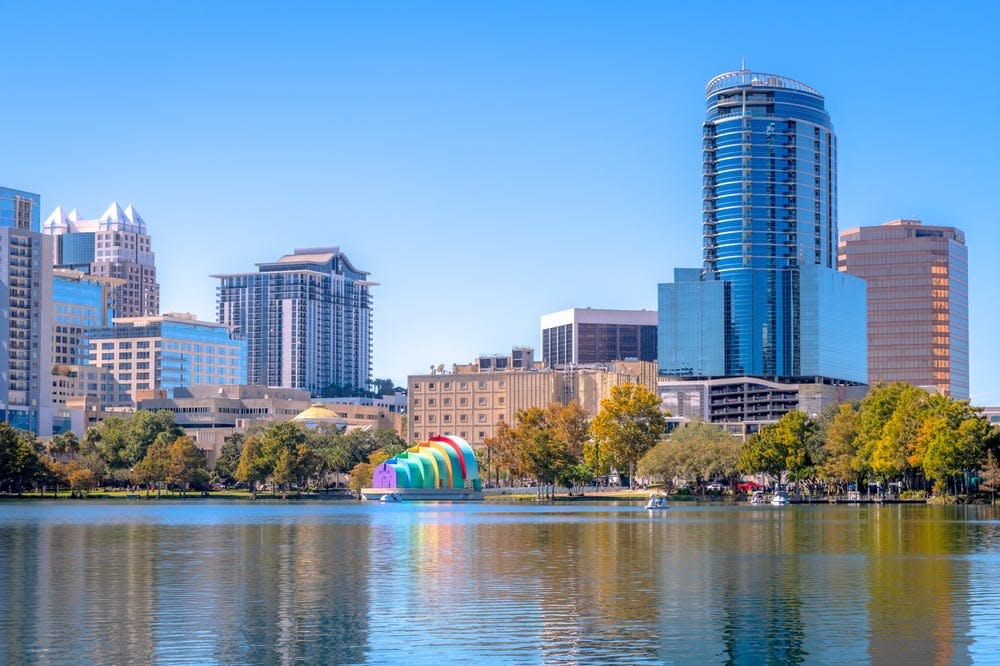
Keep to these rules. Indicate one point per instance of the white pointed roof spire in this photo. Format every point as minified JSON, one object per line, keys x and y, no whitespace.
{"x":74,"y":216}
{"x":56,"y":219}
{"x":114,"y":213}
{"x":133,"y":215}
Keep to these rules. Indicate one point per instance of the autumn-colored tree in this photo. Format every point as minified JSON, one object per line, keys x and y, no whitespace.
{"x":253,"y":467}
{"x":154,"y":467}
{"x":188,"y":466}
{"x":629,"y":423}
{"x":843,"y":461}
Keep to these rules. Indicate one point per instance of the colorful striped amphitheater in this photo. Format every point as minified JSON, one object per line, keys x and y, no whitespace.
{"x":445,"y":462}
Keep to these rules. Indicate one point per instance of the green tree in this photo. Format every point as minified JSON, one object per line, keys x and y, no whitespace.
{"x":699,"y":451}
{"x":546,"y":458}
{"x":228,"y":459}
{"x":19,"y":457}
{"x":990,"y":475}
{"x":843,"y":460}
{"x":154,"y":467}
{"x":253,"y":467}
{"x":628,"y":425}
{"x":64,"y":444}
{"x":188,"y":466}
{"x":889,"y":419}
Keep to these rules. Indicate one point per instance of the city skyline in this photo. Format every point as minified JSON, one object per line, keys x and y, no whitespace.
{"x":487,"y":165}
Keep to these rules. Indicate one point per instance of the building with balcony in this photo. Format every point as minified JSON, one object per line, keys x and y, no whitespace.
{"x":742,"y":405}
{"x":114,"y":245}
{"x":307,"y":320}
{"x":25,"y":315}
{"x":768,"y":301}
{"x":918,"y":302}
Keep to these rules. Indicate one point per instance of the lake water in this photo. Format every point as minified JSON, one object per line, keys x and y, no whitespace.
{"x":158,"y":582}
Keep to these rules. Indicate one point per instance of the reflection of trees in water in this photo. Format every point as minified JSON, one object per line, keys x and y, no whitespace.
{"x":919,"y":607}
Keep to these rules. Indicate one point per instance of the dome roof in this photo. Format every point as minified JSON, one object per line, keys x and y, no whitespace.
{"x":318,"y":412}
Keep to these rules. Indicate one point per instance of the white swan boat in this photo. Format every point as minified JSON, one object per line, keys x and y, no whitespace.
{"x":390,"y":498}
{"x":657,"y":502}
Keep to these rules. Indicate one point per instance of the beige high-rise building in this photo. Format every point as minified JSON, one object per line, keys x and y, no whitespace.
{"x":473,"y":399}
{"x":114,"y":245}
{"x":918,"y":302}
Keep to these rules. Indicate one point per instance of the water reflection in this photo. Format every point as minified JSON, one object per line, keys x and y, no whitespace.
{"x":351,"y":584}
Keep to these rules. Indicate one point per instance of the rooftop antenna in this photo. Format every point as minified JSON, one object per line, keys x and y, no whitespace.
{"x":743,"y":64}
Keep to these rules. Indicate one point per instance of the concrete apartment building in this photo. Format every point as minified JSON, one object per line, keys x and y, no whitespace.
{"x":473,"y":399}
{"x":307,"y":320}
{"x":25,"y":315}
{"x":918,"y":302}
{"x":581,"y":336}
{"x":116,"y":245}
{"x":742,"y":405}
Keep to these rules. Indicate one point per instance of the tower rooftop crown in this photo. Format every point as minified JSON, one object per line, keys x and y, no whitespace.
{"x":744,"y":78}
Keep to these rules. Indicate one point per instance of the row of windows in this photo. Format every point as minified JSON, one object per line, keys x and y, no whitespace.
{"x":447,"y":386}
{"x":464,"y":434}
{"x":463,"y":402}
{"x":463,"y":418}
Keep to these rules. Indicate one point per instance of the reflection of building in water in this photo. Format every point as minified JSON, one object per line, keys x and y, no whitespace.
{"x":919,"y":611}
{"x":299,"y":594}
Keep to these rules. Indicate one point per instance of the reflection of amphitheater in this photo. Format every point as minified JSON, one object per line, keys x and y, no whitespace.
{"x":442,"y":468}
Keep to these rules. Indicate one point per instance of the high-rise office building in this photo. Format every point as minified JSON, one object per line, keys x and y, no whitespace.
{"x":114,"y":245}
{"x":168,"y":351}
{"x":768,"y":300}
{"x":307,"y":320}
{"x":80,"y":302}
{"x":918,"y":302}
{"x":25,"y":315}
{"x":586,"y":335}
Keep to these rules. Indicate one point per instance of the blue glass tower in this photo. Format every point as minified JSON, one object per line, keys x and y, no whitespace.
{"x":770,"y":236}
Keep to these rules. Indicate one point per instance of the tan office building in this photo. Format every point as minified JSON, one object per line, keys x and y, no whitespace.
{"x":470,"y":402}
{"x":918,"y":302}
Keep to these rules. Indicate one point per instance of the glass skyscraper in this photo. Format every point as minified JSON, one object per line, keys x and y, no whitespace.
{"x":770,"y":239}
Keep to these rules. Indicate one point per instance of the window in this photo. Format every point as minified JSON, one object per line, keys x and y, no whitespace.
{"x":416,"y":386}
{"x":447,"y":402}
{"x":446,"y":386}
{"x":482,"y":418}
{"x":482,"y":401}
{"x":431,"y":402}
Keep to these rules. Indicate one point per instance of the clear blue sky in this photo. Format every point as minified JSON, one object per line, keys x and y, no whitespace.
{"x":486,"y":162}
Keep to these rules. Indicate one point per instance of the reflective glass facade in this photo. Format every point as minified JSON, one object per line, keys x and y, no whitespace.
{"x":19,"y":210}
{"x":75,"y":250}
{"x":169,"y":351}
{"x":79,"y":304}
{"x":918,"y":302}
{"x":770,"y":212}
{"x":692,"y":326}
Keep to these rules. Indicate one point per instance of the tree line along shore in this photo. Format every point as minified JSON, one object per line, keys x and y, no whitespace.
{"x":898,"y":436}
